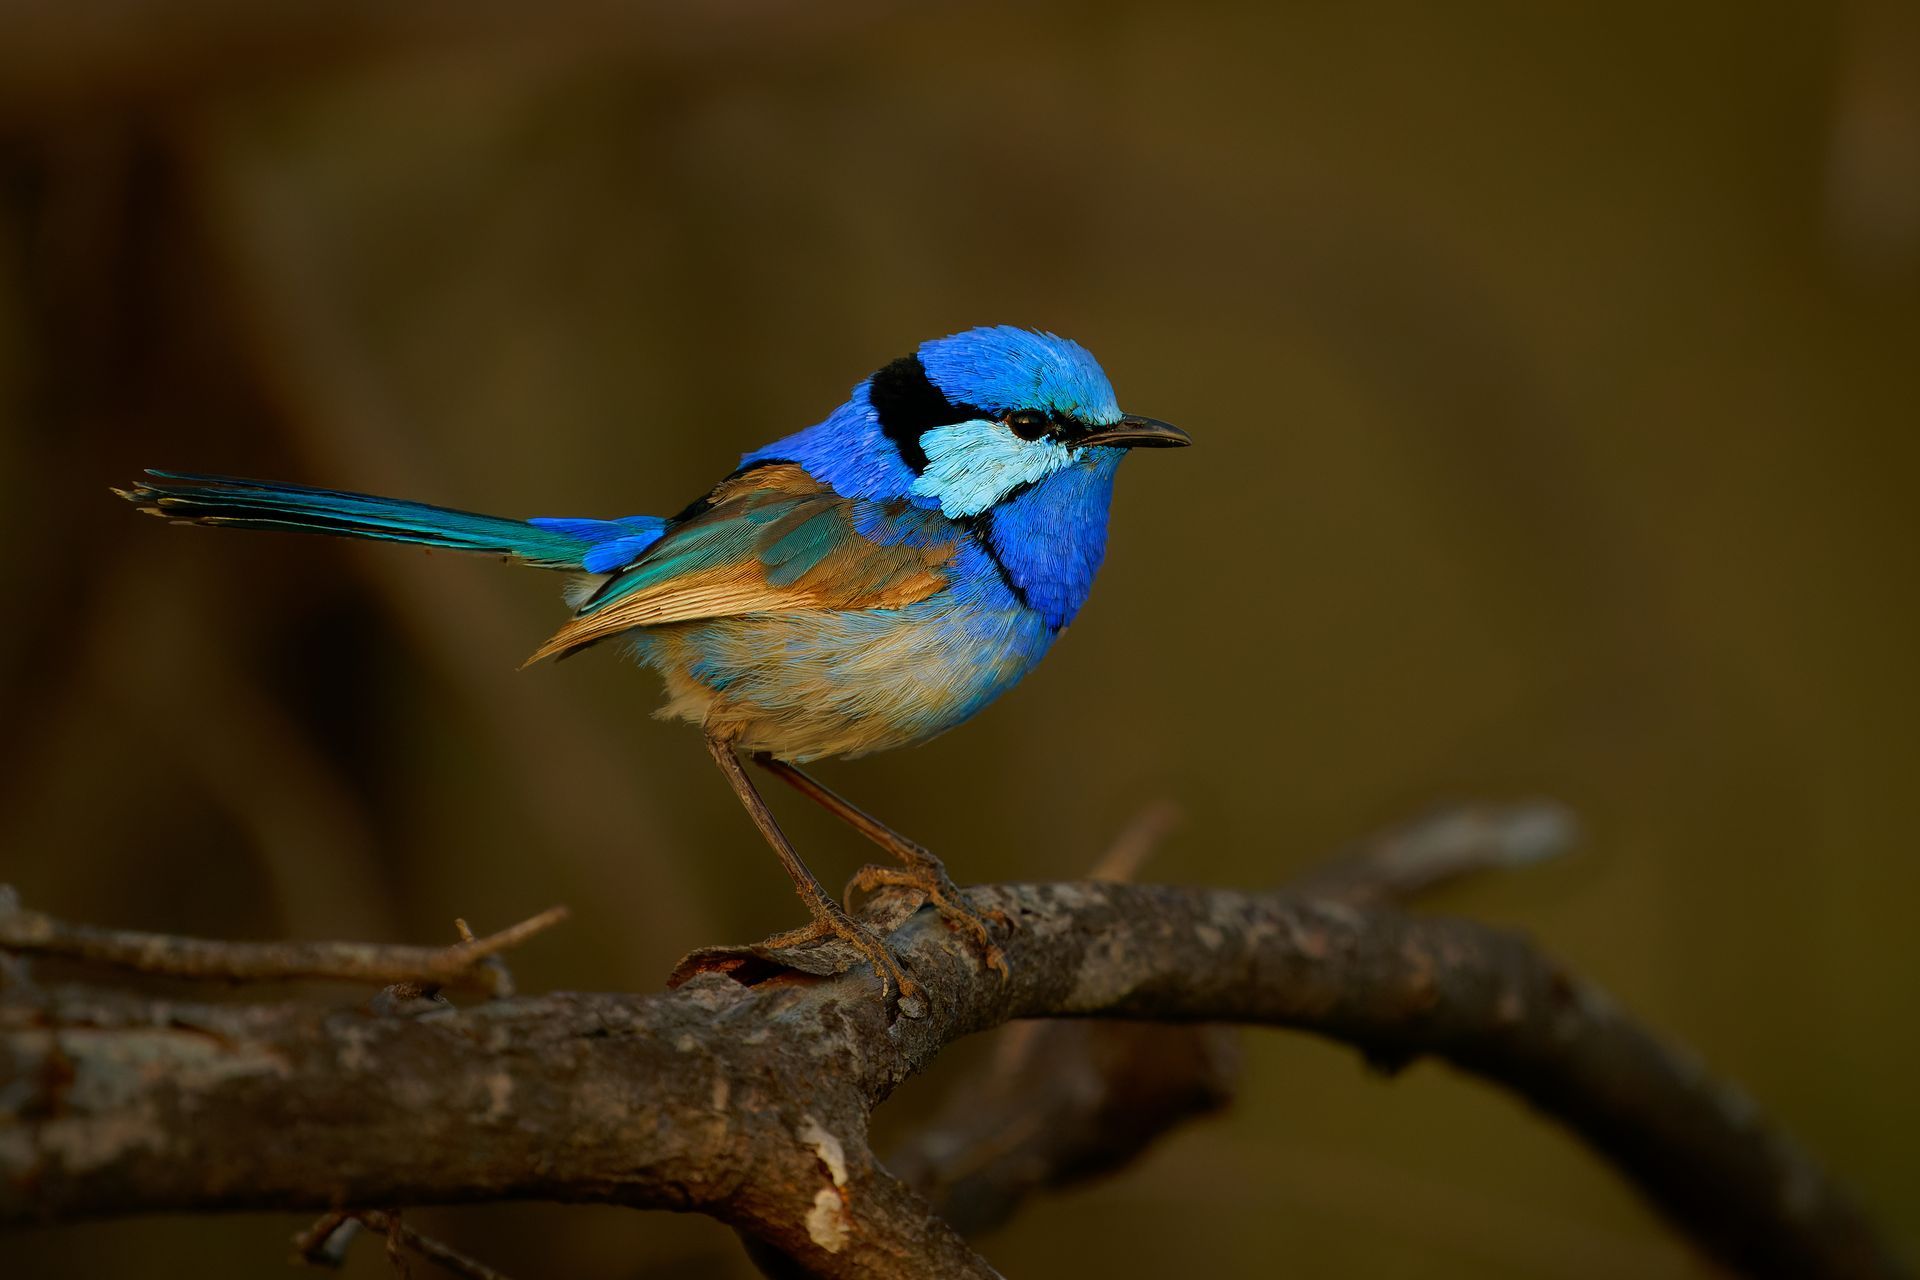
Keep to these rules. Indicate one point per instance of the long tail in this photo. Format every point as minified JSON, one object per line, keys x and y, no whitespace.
{"x":596,"y":546}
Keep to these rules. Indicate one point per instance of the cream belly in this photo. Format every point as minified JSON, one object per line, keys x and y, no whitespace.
{"x":805,"y":685}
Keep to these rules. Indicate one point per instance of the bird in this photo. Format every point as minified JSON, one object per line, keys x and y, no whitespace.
{"x":860,"y":585}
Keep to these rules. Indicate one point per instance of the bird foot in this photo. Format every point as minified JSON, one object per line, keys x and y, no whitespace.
{"x":832,"y":922}
{"x":830,"y":944}
{"x":928,"y":876}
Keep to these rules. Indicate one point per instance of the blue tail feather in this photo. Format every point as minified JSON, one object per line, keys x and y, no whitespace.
{"x":596,"y":546}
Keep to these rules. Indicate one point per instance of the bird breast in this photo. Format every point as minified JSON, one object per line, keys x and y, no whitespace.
{"x":806,"y":685}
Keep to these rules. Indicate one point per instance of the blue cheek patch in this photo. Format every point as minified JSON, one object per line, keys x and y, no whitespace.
{"x":973,"y":465}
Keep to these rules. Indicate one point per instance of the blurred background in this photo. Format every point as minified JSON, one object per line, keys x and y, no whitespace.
{"x":1553,"y":371}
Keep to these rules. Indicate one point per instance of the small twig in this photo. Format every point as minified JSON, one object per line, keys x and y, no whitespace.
{"x":502,"y":976}
{"x":1137,"y":841}
{"x":433,"y":1250}
{"x":324,"y":1244}
{"x":1414,"y":859}
{"x":396,"y":1253}
{"x":460,"y":965}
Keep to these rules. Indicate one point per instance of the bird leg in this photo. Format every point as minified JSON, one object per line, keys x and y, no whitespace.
{"x":923,"y":871}
{"x":829,"y":919}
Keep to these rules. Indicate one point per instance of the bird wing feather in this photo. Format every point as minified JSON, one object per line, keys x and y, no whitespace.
{"x":771,"y":539}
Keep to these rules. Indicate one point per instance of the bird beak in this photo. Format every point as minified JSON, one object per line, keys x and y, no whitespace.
{"x":1138,"y":433}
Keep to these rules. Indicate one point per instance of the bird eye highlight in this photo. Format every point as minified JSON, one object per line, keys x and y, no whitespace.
{"x":1028,"y":424}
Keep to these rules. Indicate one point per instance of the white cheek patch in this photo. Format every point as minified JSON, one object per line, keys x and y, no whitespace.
{"x":972,"y":465}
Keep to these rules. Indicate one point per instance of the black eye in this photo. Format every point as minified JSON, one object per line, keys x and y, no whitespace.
{"x":1028,"y":424}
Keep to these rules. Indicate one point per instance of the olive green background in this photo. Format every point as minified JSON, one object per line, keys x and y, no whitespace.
{"x":1552,"y":370}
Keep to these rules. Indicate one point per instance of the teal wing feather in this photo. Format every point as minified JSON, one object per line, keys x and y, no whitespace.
{"x":772,"y":539}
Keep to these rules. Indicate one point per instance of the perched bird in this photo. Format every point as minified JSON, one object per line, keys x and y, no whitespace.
{"x":863,"y":584}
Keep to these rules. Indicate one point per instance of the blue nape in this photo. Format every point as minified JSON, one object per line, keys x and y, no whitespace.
{"x":848,"y":452}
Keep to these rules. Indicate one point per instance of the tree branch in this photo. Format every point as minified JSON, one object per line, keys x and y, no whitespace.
{"x":1065,"y":1101}
{"x":750,"y":1102}
{"x":461,"y":965}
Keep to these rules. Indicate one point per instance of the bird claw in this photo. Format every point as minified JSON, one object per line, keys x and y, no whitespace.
{"x":896,"y":987}
{"x":828,"y":945}
{"x":930,"y":879}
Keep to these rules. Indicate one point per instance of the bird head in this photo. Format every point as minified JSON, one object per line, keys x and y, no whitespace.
{"x":984,"y":414}
{"x":969,"y":421}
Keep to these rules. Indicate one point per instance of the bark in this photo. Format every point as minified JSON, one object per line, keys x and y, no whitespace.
{"x":745,"y":1092}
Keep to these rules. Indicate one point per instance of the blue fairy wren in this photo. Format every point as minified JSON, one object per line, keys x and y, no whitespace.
{"x":863,"y":584}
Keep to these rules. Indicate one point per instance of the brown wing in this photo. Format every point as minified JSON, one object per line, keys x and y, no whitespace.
{"x":770,"y":540}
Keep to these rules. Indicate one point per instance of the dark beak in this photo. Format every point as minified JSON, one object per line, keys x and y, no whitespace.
{"x":1138,"y":433}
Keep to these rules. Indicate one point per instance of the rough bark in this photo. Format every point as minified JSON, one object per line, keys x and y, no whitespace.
{"x":745,"y":1095}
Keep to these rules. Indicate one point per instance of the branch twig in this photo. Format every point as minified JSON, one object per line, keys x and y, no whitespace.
{"x":323,"y":1244}
{"x":460,"y":966}
{"x":1430,"y":853}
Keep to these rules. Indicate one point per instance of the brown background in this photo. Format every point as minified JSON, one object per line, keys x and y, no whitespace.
{"x":1552,"y":369}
